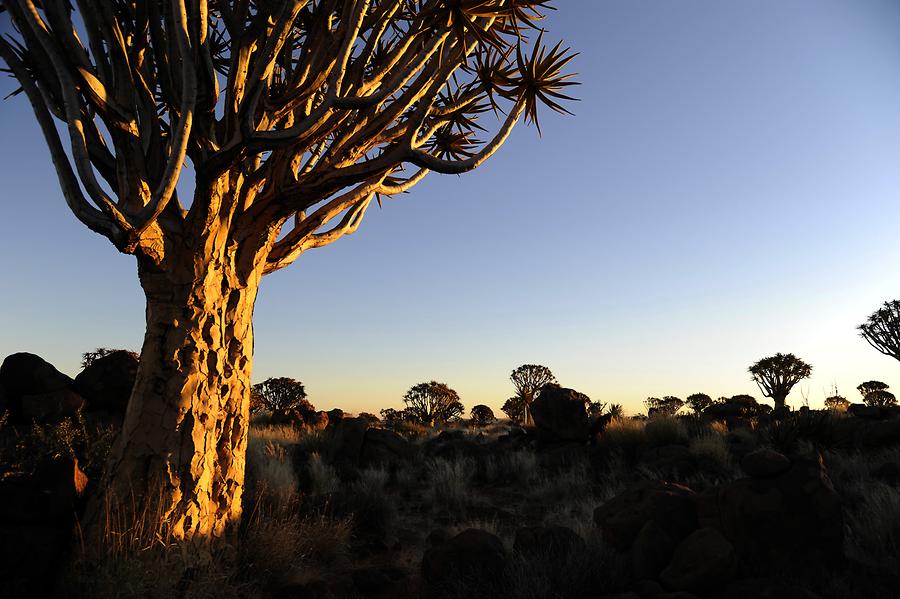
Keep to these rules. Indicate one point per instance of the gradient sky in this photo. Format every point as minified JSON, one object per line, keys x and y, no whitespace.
{"x":728,"y":189}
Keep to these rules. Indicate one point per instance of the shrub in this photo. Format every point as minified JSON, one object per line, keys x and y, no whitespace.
{"x":625,"y":434}
{"x":323,"y":478}
{"x":713,"y":447}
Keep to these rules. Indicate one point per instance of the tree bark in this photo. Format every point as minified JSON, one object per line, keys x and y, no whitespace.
{"x":181,"y":453}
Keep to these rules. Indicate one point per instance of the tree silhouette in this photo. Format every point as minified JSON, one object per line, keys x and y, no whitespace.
{"x":836,"y":403}
{"x":882,"y":329}
{"x":514,"y":408}
{"x":667,"y":406}
{"x":875,"y":393}
{"x":482,"y":415}
{"x":698,"y":402}
{"x":432,"y":403}
{"x":528,"y":380}
{"x":295,"y":116}
{"x":281,"y":393}
{"x":776,"y":375}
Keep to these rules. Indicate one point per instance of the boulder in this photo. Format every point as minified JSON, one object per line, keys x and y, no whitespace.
{"x":50,"y":407}
{"x":702,"y":561}
{"x":861,"y":410}
{"x":453,"y":445}
{"x":762,"y":588}
{"x":473,"y":554}
{"x":373,"y":579}
{"x":792,"y":519}
{"x":651,"y":551}
{"x":888,"y":473}
{"x":27,"y":374}
{"x":335,"y":415}
{"x":383,"y":447}
{"x":669,"y":505}
{"x":764,"y":463}
{"x":553,"y":543}
{"x":560,"y":414}
{"x":349,"y":436}
{"x":107,"y":383}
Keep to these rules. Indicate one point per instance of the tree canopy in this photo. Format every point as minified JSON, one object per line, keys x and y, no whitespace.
{"x":882,"y":329}
{"x":281,"y":393}
{"x":875,"y":393}
{"x":432,"y":403}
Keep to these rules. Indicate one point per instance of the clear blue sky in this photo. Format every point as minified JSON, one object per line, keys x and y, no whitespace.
{"x":729,"y":188}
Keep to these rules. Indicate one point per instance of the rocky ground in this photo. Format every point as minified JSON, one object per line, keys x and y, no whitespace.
{"x":804,"y":506}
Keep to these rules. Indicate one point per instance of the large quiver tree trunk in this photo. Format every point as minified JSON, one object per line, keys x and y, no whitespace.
{"x":181,"y":450}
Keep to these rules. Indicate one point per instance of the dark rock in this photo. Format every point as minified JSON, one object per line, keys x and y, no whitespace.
{"x":669,"y":505}
{"x":702,"y":561}
{"x":764,"y":463}
{"x":889,"y":473}
{"x":473,"y":554}
{"x":453,"y":445}
{"x":861,"y":410}
{"x":878,"y":435}
{"x":648,"y":589}
{"x":549,"y":543}
{"x":50,"y":407}
{"x":671,"y":460}
{"x":560,"y":456}
{"x":762,"y":588}
{"x":376,"y":579}
{"x":50,"y":496}
{"x":311,"y":590}
{"x":384,"y":447}
{"x":437,"y":536}
{"x":31,"y":558}
{"x":793,"y":519}
{"x":560,"y":414}
{"x":651,"y":551}
{"x":335,"y":415}
{"x":349,"y":436}
{"x":107,"y":383}
{"x":27,"y":374}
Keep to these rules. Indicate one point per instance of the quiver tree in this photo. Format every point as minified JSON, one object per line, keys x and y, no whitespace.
{"x":432,"y":403}
{"x":281,"y":393}
{"x":295,"y":116}
{"x":698,"y":402}
{"x":481,"y":415}
{"x":667,"y":406}
{"x":528,"y":380}
{"x":875,"y":393}
{"x":882,"y":329}
{"x":776,"y":376}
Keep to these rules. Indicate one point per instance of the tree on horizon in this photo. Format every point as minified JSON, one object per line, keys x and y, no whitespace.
{"x":432,"y":403}
{"x":528,"y":379}
{"x":776,"y":376}
{"x":295,"y":116}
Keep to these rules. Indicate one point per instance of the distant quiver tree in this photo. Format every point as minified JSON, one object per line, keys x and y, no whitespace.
{"x":482,"y":415}
{"x":875,"y":393}
{"x":528,"y":380}
{"x":295,"y":116}
{"x":280,"y":393}
{"x":432,"y":403}
{"x":776,"y":376}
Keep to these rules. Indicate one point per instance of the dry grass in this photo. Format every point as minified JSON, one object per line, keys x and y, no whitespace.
{"x":449,"y":483}
{"x":711,"y":446}
{"x":626,"y":434}
{"x":665,"y":430}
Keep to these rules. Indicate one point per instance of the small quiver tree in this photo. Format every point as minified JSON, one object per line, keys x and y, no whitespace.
{"x":528,"y":380}
{"x":432,"y":403}
{"x":481,"y":416}
{"x":876,"y":394}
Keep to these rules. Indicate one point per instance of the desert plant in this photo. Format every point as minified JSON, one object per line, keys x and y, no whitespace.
{"x":528,"y":380}
{"x":88,"y":358}
{"x":698,"y":402}
{"x":882,"y":329}
{"x":449,"y":483}
{"x":324,"y":107}
{"x":481,"y":416}
{"x":875,"y":393}
{"x":281,"y":393}
{"x":776,"y":376}
{"x":667,"y":406}
{"x":514,"y":408}
{"x":836,"y":403}
{"x":432,"y":403}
